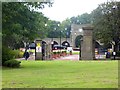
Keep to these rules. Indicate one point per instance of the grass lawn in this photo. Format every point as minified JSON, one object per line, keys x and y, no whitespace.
{"x":62,"y":74}
{"x":75,"y":52}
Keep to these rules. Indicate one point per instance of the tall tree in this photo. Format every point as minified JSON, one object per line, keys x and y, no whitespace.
{"x":106,"y":19}
{"x":21,"y":23}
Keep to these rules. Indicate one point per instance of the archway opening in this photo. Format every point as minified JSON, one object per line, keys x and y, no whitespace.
{"x":97,"y":45}
{"x":78,"y":41}
{"x":55,"y":43}
{"x":43,"y":42}
{"x":65,"y":43}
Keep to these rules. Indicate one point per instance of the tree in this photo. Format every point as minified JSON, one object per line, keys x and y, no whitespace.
{"x":106,"y":19}
{"x":66,"y":27}
{"x":84,"y":18}
{"x":53,"y":29}
{"x":21,"y":23}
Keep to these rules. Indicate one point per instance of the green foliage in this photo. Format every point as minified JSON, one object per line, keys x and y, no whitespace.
{"x":64,"y":51}
{"x":54,"y":52}
{"x":21,"y":24}
{"x":7,"y":54}
{"x":53,"y":30}
{"x":58,"y":52}
{"x":18,"y":53}
{"x":12,"y":63}
{"x":85,"y":18}
{"x":106,"y":20}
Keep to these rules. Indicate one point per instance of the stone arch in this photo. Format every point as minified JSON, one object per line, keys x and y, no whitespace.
{"x":44,"y":42}
{"x":65,"y":42}
{"x":78,"y":41}
{"x":55,"y":43}
{"x":97,"y":45}
{"x":76,"y":30}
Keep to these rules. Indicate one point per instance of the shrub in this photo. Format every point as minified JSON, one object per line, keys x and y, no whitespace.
{"x":7,"y":54}
{"x":54,"y":52}
{"x":12,"y":63}
{"x":64,"y":51}
{"x":18,"y":53}
{"x":58,"y":52}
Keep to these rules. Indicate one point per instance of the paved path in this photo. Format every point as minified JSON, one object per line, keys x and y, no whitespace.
{"x":69,"y":57}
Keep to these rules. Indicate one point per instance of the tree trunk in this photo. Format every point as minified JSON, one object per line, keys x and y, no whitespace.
{"x":116,"y":47}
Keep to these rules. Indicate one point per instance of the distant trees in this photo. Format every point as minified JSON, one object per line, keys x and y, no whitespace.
{"x":53,"y":29}
{"x":85,"y":18}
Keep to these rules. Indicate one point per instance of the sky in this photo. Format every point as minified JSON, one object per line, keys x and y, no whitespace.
{"x":62,"y":9}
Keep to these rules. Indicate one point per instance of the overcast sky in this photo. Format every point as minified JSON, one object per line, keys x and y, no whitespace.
{"x":63,"y":9}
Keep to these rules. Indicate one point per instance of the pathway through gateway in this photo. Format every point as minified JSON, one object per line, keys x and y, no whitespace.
{"x":69,"y":57}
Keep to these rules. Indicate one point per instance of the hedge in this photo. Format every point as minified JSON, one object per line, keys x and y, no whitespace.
{"x":12,"y":63}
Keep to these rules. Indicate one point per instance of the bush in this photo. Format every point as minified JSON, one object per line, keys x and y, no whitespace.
{"x":7,"y":54}
{"x":54,"y":52}
{"x":58,"y":52}
{"x":12,"y":63}
{"x":18,"y":53}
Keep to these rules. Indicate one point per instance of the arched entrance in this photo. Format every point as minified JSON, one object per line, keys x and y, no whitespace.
{"x":97,"y":45}
{"x":65,"y":43}
{"x":78,"y":41}
{"x":55,"y":43}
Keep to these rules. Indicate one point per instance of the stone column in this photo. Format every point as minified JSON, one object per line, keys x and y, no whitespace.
{"x":87,"y":47}
{"x":38,"y":50}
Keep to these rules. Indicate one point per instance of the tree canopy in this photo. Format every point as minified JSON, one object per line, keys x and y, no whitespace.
{"x":21,"y":24}
{"x":106,"y":20}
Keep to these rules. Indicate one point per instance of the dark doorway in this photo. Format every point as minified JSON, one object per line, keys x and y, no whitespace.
{"x":43,"y":49}
{"x":78,"y":41}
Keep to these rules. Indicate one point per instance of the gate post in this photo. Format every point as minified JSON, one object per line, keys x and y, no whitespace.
{"x":38,"y":50}
{"x":87,"y":47}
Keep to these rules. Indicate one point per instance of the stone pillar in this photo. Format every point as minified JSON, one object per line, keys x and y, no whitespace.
{"x":48,"y":52}
{"x":87,"y":47}
{"x":38,"y":50}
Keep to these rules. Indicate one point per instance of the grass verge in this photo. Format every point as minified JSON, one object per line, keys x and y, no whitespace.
{"x":62,"y":74}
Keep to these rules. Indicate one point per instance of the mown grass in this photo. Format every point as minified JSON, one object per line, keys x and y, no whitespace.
{"x":62,"y":74}
{"x":75,"y":52}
